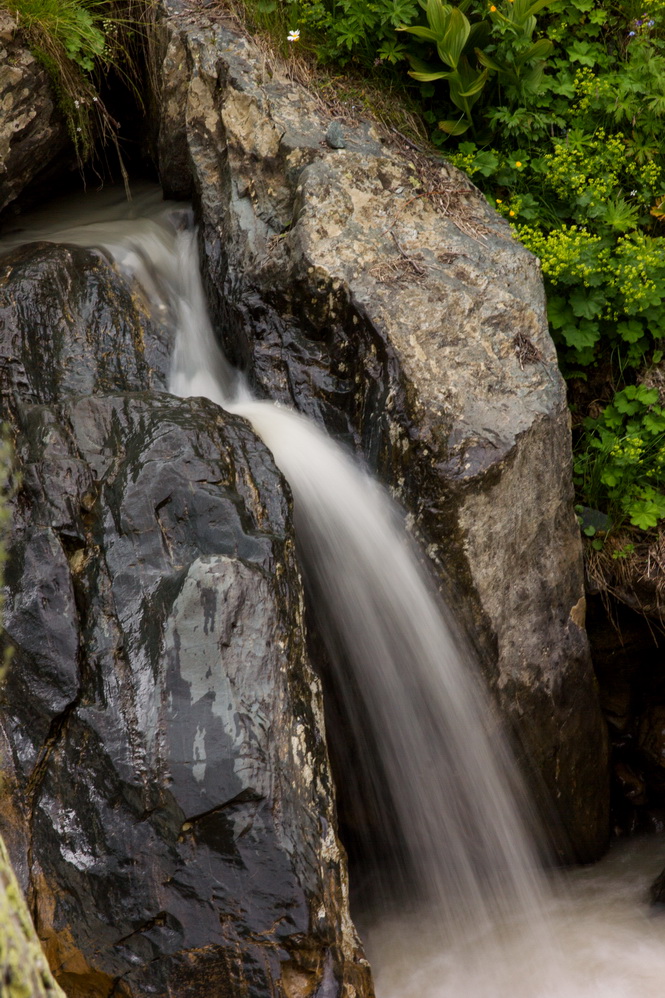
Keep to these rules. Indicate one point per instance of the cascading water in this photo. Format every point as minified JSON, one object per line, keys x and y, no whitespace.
{"x":481,"y":920}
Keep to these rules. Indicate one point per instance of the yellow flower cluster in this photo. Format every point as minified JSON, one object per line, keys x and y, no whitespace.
{"x":588,"y":86}
{"x":571,"y":252}
{"x":586,"y":170}
{"x":630,"y":449}
{"x":510,"y":209}
{"x":647,"y":174}
{"x":638,"y":271}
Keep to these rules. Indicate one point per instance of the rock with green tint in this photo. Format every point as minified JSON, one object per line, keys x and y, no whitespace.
{"x":24,"y":972}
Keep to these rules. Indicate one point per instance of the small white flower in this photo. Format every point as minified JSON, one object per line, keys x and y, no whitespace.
{"x":78,"y":129}
{"x":94,"y":99}
{"x":293,"y":36}
{"x":76,"y":103}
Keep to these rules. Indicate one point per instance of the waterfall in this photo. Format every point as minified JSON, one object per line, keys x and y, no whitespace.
{"x":407,"y":686}
{"x":445,"y":791}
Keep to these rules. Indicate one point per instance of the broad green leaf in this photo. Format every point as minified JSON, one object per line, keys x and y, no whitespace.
{"x":490,"y":63}
{"x":654,"y":423}
{"x":626,"y":406}
{"x":584,"y":334}
{"x":647,"y":396}
{"x":559,"y":311}
{"x":428,"y":77}
{"x":645,"y":514}
{"x":419,"y":65}
{"x":476,"y":87}
{"x":454,"y":127}
{"x":539,"y":50}
{"x":534,"y":8}
{"x":438,"y":15}
{"x":588,"y":305}
{"x":451,"y":46}
{"x":630,"y":331}
{"x":486,"y":162}
{"x":420,"y":32}
{"x":480,"y":32}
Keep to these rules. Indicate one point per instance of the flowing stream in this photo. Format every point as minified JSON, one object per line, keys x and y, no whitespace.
{"x":476,"y":916}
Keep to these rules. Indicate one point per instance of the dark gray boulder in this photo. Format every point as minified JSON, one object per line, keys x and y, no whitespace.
{"x":168,"y":801}
{"x":391,"y":304}
{"x":73,"y":327}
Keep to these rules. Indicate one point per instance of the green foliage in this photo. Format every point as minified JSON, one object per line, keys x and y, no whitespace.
{"x":488,"y":58}
{"x":342,"y":30}
{"x":620,"y":465}
{"x":578,"y":171}
{"x":74,"y":24}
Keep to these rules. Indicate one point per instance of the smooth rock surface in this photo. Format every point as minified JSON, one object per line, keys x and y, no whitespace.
{"x":32,"y":130}
{"x":419,"y":336}
{"x":168,"y":800}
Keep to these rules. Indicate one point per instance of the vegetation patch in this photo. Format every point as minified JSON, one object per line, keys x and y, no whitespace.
{"x":79,"y":42}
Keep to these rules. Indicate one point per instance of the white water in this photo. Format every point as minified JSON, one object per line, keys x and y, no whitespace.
{"x":480,"y":923}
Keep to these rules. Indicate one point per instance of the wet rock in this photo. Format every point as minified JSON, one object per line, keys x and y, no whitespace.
{"x":418,"y":334}
{"x":628,"y":664}
{"x":93,"y":330}
{"x":168,"y":800}
{"x":652,"y":736}
{"x":32,"y":130}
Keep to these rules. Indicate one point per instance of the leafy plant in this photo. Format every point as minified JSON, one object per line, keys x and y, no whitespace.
{"x":68,"y":23}
{"x":345,"y":30}
{"x":489,"y":56}
{"x":621,"y":465}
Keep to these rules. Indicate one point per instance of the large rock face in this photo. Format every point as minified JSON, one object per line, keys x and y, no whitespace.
{"x":32,"y":130}
{"x":420,"y":336}
{"x":168,"y":801}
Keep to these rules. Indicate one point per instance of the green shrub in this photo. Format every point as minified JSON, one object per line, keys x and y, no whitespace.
{"x":620,"y":466}
{"x":489,"y":58}
{"x":578,"y":171}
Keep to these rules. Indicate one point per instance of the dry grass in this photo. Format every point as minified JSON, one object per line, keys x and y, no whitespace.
{"x":631,"y":568}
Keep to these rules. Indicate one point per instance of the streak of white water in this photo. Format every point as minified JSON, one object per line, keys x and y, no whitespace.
{"x":487,"y":928}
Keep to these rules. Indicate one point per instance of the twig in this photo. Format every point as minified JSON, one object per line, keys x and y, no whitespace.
{"x":418,"y":269}
{"x":427,"y":194}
